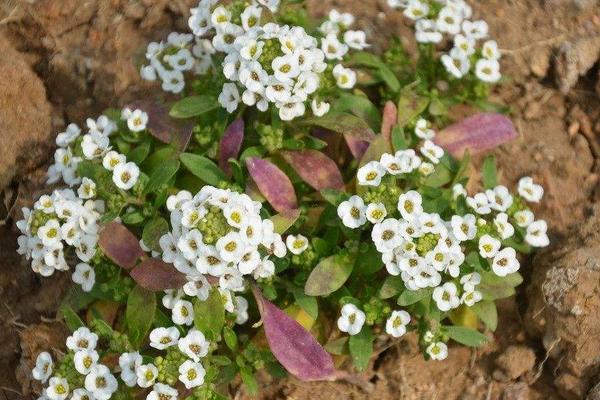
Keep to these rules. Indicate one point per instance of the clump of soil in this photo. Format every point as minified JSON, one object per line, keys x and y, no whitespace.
{"x":77,"y":58}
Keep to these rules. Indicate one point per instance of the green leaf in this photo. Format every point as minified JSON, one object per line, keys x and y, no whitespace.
{"x":337,"y":346}
{"x":488,"y":172}
{"x":282,"y":222}
{"x":193,"y":106}
{"x":230,"y":338}
{"x":391,"y":287}
{"x":360,"y":106}
{"x":410,"y":106}
{"x":462,"y":167}
{"x":343,"y":123}
{"x":333,"y":197}
{"x":368,"y":261}
{"x":161,"y":176}
{"x":203,"y":168}
{"x":308,"y":303}
{"x":487,"y":312}
{"x":71,"y":318}
{"x":466,"y":336}
{"x":153,"y":231}
{"x":209,"y":315}
{"x":382,"y":70}
{"x":399,"y":141}
{"x":494,"y":287}
{"x":249,"y":380}
{"x":141,"y":308}
{"x":329,"y":275}
{"x":361,"y":347}
{"x":409,"y":297}
{"x":157,"y":159}
{"x":140,"y":153}
{"x":133,"y":218}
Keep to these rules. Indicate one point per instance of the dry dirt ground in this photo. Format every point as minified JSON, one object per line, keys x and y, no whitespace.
{"x":63,"y":60}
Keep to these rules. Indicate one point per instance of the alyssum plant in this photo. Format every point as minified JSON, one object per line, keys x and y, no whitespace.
{"x":261,"y":215}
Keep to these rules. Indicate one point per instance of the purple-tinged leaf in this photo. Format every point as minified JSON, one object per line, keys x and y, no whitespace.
{"x":273,"y":183}
{"x":283,"y":222}
{"x":477,"y":134}
{"x":120,"y":245}
{"x":230,"y":144}
{"x":390,"y":118}
{"x":162,"y":126}
{"x":293,"y":346}
{"x":315,"y":168}
{"x":156,"y":275}
{"x":357,"y":147}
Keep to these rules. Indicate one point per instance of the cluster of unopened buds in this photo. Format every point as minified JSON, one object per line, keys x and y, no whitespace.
{"x":453,"y":19}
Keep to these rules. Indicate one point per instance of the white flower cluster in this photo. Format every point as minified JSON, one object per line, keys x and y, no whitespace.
{"x":217,"y":233}
{"x":428,"y":252}
{"x":99,"y":382}
{"x":57,"y":223}
{"x":454,"y":20}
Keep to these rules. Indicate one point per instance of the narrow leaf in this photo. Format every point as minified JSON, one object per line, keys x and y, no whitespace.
{"x":153,"y":231}
{"x":466,"y":336}
{"x":409,"y":297}
{"x":141,"y":308}
{"x":71,"y":318}
{"x":410,"y":106}
{"x":293,"y":346}
{"x":161,"y":176}
{"x":315,"y":168}
{"x":308,"y":303}
{"x":273,"y":183}
{"x":203,"y":168}
{"x":361,"y":347}
{"x":344,"y":123}
{"x":283,"y":222}
{"x":329,"y":275}
{"x":389,"y":120}
{"x":488,"y":172}
{"x":487,"y":312}
{"x":162,"y":126}
{"x":360,"y":106}
{"x":193,"y":106}
{"x":392,"y":286}
{"x":230,"y":144}
{"x":478,"y":133}
{"x":209,"y":315}
{"x":357,"y":147}
{"x":156,"y":275}
{"x":120,"y":245}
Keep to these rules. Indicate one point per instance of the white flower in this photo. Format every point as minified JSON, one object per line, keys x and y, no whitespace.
{"x":488,"y":246}
{"x":437,"y":351}
{"x":194,"y":345}
{"x":469,"y":281}
{"x":356,"y":39}
{"x":352,"y":212}
{"x":85,"y":276}
{"x":81,"y":394}
{"x":319,"y":108}
{"x":231,"y":279}
{"x":67,"y":137}
{"x":370,"y":174}
{"x":231,"y":247}
{"x":264,"y":269}
{"x":490,"y":50}
{"x":180,"y":61}
{"x":161,"y":391}
{"x":396,"y":323}
{"x":465,"y":44}
{"x":161,"y":338}
{"x":345,"y":78}
{"x":391,"y":163}
{"x":529,"y":190}
{"x":197,"y":286}
{"x":343,"y":19}
{"x":504,"y":228}
{"x":505,"y":262}
{"x":87,"y":190}
{"x":146,"y":375}
{"x":58,"y":389}
{"x":376,"y":212}
{"x":499,"y":198}
{"x":426,"y":169}
{"x":291,"y":109}
{"x":296,"y":244}
{"x":253,"y":76}
{"x":285,"y":68}
{"x":479,"y":203}
{"x":426,"y":31}
{"x":241,"y":310}
{"x":333,"y":48}
{"x":190,"y":244}
{"x":220,"y":16}
{"x":138,"y":119}
{"x":416,"y":9}
{"x":386,"y":235}
{"x":398,"y":3}
{"x":488,"y":70}
{"x":536,"y":234}
{"x":464,"y":228}
{"x":43,"y":367}
{"x":112,"y":159}
{"x":85,"y":360}
{"x":251,"y":17}
{"x":449,"y":21}
{"x":210,"y":262}
{"x":50,"y":233}
{"x":125,"y":176}
{"x":432,"y":151}
{"x":524,"y":218}
{"x":351,"y":320}
{"x":82,"y":339}
{"x":129,"y":363}
{"x":183,"y":313}
{"x":470,"y":298}
{"x":101,"y":383}
{"x":410,"y":205}
{"x":94,"y":145}
{"x":475,"y":29}
{"x":229,"y":97}
{"x":446,"y":296}
{"x":175,"y":201}
{"x":456,"y":63}
{"x":191,"y":374}
{"x":172,"y":81}
{"x":423,"y":129}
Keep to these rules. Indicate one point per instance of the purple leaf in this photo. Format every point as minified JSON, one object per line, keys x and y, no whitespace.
{"x":273,"y":183}
{"x":357,"y":147}
{"x":293,"y":346}
{"x":315,"y":168}
{"x":478,"y":133}
{"x":389,"y":120}
{"x":162,"y":126}
{"x":120,"y":245}
{"x":156,"y":275}
{"x":230,"y":145}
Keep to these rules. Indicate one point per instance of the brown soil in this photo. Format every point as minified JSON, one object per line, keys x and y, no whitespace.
{"x":78,"y":58}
